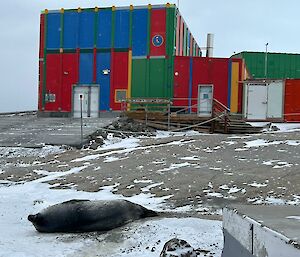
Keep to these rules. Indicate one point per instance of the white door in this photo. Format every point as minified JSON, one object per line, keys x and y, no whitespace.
{"x":81,"y":96}
{"x":205,"y":100}
{"x":94,"y":101}
{"x":257,"y":102}
{"x":275,"y":100}
{"x":88,"y":96}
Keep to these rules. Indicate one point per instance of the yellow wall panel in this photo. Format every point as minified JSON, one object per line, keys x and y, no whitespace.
{"x":234,"y":87}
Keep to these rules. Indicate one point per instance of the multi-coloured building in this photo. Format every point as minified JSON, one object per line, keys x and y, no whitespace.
{"x":94,"y":59}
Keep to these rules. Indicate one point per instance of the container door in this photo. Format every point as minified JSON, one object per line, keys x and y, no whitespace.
{"x":119,"y":83}
{"x":53,"y":30}
{"x":69,"y":78}
{"x":157,"y":73}
{"x":257,"y":102}
{"x":94,"y":101}
{"x":104,"y":29}
{"x":86,"y":29}
{"x":158,"y":33}
{"x":122,"y":24}
{"x":292,"y":103}
{"x":80,"y":97}
{"x":103,"y":78}
{"x":139,"y":32}
{"x":70,"y":31}
{"x":275,"y":100}
{"x":205,"y":100}
{"x":86,"y":66}
{"x":181,"y":81}
{"x":53,"y":72}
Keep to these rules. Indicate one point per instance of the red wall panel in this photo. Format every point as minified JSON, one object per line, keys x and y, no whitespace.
{"x":41,"y":60}
{"x":119,"y":77}
{"x":158,"y":29}
{"x":291,"y":101}
{"x":211,"y":71}
{"x":181,"y":80}
{"x":41,"y":77}
{"x":69,"y":77}
{"x":53,"y":81}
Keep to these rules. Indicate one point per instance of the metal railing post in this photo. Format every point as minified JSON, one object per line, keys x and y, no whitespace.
{"x":225,"y":121}
{"x":169,"y":115}
{"x":146,"y":118}
{"x":81,"y":120}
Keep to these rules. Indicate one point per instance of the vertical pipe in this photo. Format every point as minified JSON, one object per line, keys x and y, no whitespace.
{"x":191,"y":85}
{"x":210,"y":45}
{"x":266,"y":61}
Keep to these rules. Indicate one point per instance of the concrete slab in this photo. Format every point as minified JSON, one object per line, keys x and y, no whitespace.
{"x":282,"y":219}
{"x":27,"y":130}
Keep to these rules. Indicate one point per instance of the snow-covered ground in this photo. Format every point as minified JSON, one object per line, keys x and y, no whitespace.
{"x":18,"y":237}
{"x":142,"y":238}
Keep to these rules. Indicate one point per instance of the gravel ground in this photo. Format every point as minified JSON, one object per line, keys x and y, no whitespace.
{"x":192,"y":171}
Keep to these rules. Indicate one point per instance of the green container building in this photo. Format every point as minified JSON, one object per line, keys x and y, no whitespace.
{"x":279,"y":65}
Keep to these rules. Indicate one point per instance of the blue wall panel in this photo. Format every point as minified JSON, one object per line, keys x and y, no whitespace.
{"x":86,"y":29}
{"x":86,"y":68}
{"x":71,"y":25}
{"x":104,"y":29}
{"x":139,"y":32}
{"x":103,"y":63}
{"x":53,"y":30}
{"x":122,"y":29}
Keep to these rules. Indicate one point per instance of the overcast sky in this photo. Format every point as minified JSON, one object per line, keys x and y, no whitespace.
{"x":238,"y":25}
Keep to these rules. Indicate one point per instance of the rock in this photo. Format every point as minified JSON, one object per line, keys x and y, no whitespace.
{"x":94,"y":146}
{"x":178,"y":248}
{"x":99,"y":140}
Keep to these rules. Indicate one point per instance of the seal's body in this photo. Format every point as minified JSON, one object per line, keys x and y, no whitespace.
{"x":88,"y":216}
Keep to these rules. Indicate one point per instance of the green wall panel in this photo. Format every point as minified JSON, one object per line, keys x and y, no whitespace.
{"x":139,"y":78}
{"x":280,"y":65}
{"x":157,"y":77}
{"x":152,"y":77}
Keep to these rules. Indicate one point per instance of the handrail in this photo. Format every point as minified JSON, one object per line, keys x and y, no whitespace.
{"x":222,"y":105}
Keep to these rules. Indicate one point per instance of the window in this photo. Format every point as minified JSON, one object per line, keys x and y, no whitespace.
{"x":120,"y":95}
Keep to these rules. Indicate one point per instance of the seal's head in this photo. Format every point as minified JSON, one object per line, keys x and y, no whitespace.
{"x":37,"y":220}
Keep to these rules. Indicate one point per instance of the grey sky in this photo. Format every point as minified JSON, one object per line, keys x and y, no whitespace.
{"x":238,"y":25}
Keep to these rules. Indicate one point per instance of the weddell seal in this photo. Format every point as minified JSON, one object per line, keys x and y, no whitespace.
{"x":87,"y":216}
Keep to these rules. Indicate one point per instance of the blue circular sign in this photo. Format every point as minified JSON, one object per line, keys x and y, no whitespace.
{"x":157,"y":40}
